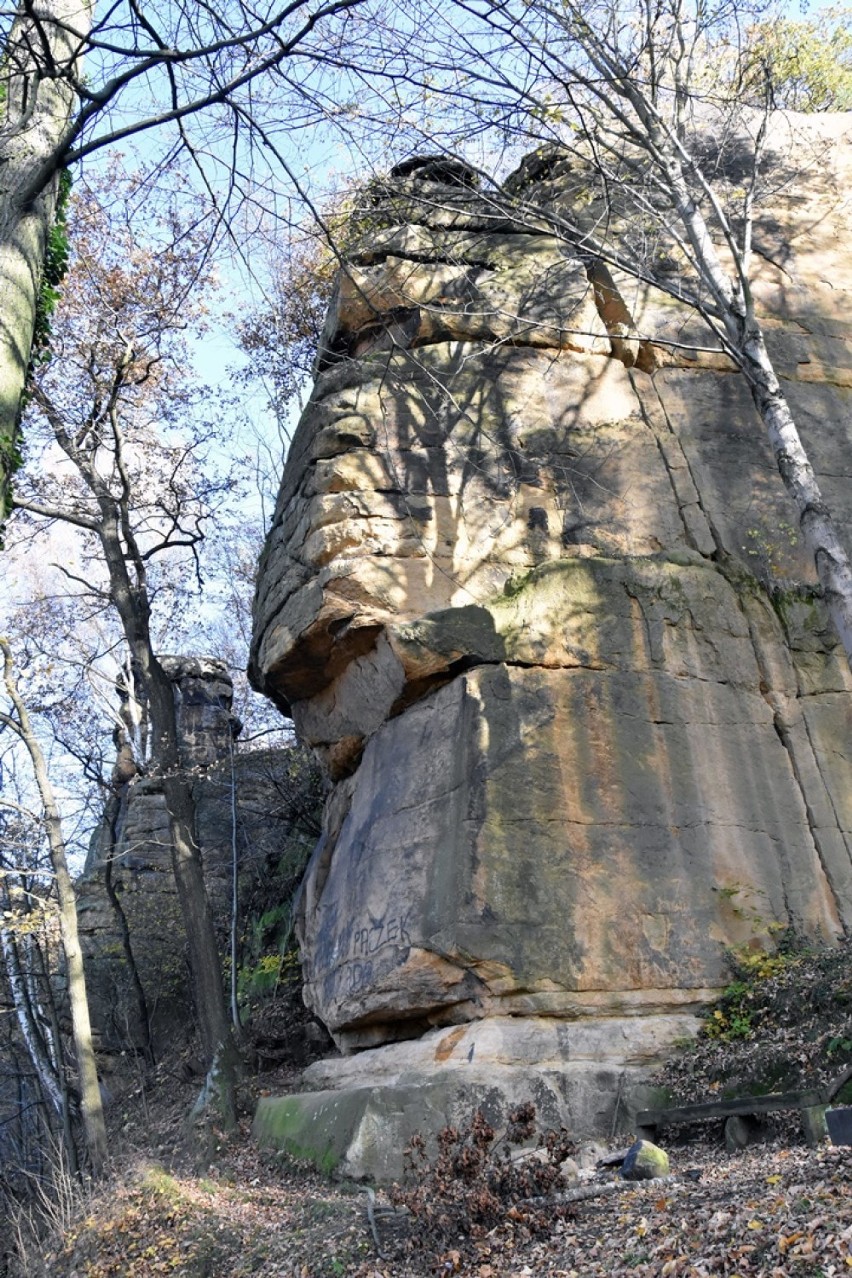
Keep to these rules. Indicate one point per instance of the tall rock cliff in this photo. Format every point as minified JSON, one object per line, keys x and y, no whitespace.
{"x":534,"y":593}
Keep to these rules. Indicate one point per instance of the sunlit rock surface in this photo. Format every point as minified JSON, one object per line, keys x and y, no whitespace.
{"x":534,"y":593}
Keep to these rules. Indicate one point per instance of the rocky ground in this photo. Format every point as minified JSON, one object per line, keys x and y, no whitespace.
{"x":220,"y":1208}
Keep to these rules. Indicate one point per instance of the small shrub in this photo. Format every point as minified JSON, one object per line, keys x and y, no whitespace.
{"x":732,"y":1017}
{"x":478,"y":1181}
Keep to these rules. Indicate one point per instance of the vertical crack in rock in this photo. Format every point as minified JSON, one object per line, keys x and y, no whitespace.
{"x":839,"y":881}
{"x":700,"y":534}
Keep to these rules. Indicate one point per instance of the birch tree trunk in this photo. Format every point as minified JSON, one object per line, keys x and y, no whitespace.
{"x":90,"y":1094}
{"x":743,"y":337}
{"x":646,"y":95}
{"x":39,"y":62}
{"x":816,"y":524}
{"x":33,"y":1039}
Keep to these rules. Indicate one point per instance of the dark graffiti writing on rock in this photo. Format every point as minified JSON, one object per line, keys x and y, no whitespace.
{"x":358,"y":977}
{"x":392,"y":930}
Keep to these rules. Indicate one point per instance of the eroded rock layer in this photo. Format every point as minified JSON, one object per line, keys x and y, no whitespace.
{"x":534,"y":592}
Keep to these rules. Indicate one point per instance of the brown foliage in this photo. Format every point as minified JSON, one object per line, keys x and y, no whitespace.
{"x":476,"y":1180}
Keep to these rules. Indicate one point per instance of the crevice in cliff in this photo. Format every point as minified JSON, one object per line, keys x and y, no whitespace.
{"x":469,"y":223}
{"x":113,"y":822}
{"x":759,"y":252}
{"x":829,"y":798}
{"x":394,"y":331}
{"x":379,"y":257}
{"x":711,"y":546}
{"x":829,"y":377}
{"x":418,"y":689}
{"x":828,"y":793}
{"x":785,"y":738}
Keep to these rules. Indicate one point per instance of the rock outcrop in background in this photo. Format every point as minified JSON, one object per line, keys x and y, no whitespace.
{"x":243,"y":806}
{"x":535,"y":595}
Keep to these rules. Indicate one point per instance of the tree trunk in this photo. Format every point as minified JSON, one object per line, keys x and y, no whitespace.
{"x":815,"y":522}
{"x":37,"y":956}
{"x":133,"y":607}
{"x":211,"y":1007}
{"x":33,"y":1040}
{"x":745,"y":343}
{"x":129,"y":595}
{"x":90,"y":1093}
{"x":110,"y":820}
{"x":36,"y":112}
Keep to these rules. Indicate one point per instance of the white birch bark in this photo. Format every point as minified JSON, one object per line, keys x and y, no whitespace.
{"x":90,"y":1095}
{"x":816,"y":525}
{"x":745,"y":343}
{"x":669,"y":159}
{"x":33,"y":1042}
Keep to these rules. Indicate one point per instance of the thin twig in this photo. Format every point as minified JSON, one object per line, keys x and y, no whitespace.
{"x":371,"y":1217}
{"x":592,"y":1191}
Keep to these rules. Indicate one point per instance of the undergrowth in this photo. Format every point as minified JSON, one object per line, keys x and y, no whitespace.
{"x":733,"y":1016}
{"x":478,"y":1180}
{"x":783,"y":1023}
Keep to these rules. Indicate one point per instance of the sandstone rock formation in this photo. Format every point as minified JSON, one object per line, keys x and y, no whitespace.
{"x":130,"y":858}
{"x":534,"y":593}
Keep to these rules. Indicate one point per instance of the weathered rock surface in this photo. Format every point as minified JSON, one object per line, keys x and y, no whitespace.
{"x":128,"y":874}
{"x":361,"y":1111}
{"x":534,"y":593}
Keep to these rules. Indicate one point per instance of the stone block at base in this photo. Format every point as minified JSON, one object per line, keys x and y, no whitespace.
{"x":370,"y":1105}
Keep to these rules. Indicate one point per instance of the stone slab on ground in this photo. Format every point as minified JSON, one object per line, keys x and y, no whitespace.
{"x":361,"y":1111}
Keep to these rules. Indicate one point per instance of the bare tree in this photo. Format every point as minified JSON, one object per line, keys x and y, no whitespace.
{"x":40,"y":1045}
{"x":118,"y":418}
{"x":217,"y":82}
{"x":646,"y":103}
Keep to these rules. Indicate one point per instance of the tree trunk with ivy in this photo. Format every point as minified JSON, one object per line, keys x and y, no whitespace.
{"x":37,"y":99}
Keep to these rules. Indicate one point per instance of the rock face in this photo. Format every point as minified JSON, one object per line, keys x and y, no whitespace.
{"x":129,"y":876}
{"x":535,"y":595}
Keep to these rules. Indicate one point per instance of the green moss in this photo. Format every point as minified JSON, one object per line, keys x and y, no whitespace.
{"x":156,"y":1180}
{"x":306,"y":1130}
{"x":55,"y":266}
{"x":516,"y":584}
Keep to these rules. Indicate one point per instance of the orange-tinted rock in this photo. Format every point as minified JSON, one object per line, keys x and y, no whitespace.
{"x":547,"y":619}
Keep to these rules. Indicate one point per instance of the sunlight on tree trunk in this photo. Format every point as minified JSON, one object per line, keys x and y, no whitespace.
{"x":35,"y":115}
{"x":90,"y":1095}
{"x":635,"y":96}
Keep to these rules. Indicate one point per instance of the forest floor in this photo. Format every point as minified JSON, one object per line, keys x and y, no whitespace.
{"x":222,"y":1208}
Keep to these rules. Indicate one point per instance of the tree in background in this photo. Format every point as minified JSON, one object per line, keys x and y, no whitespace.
{"x":281,"y":336}
{"x":119,"y":437}
{"x":226,"y":87}
{"x":27,"y":940}
{"x":804,"y":65}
